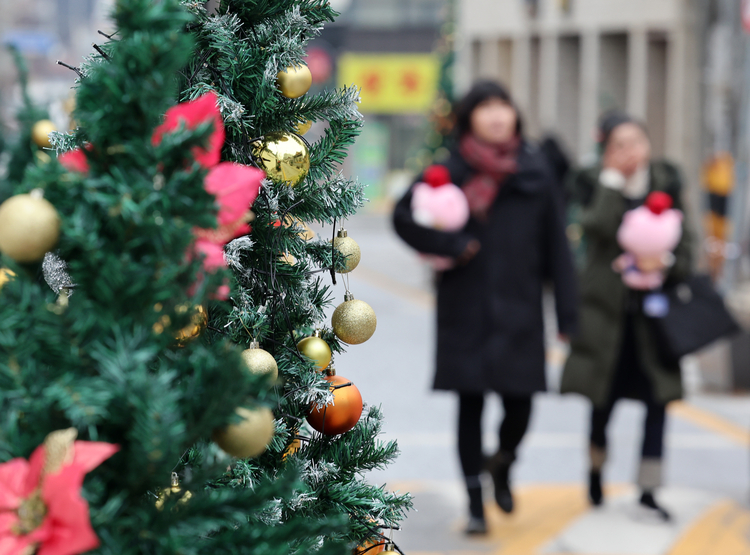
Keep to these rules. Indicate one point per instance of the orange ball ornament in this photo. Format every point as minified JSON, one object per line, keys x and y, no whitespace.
{"x":343,"y":414}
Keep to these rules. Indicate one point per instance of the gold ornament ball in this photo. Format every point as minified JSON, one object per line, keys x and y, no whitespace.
{"x":283,"y":156}
{"x":294,"y":81}
{"x":260,"y":362}
{"x":174,"y":488}
{"x":354,"y":321}
{"x":315,"y":348}
{"x":304,"y":127}
{"x":198,"y":323}
{"x":40,"y":133}
{"x":249,"y":437}
{"x":29,"y":227}
{"x":350,"y":249}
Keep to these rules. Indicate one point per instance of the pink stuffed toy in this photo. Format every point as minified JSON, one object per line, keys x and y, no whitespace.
{"x":648,"y":235}
{"x":439,"y":204}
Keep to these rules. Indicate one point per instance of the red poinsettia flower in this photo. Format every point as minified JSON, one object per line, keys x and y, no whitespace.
{"x":41,"y":508}
{"x":192,"y":114}
{"x":235,"y":187}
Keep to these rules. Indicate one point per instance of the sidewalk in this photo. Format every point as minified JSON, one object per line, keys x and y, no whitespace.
{"x":707,"y":458}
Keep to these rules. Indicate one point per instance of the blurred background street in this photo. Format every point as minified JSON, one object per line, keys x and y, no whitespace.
{"x":683,"y":67}
{"x":707,"y":445}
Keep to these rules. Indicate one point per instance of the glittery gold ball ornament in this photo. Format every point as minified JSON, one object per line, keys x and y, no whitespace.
{"x":198,"y":323}
{"x":353,"y":321}
{"x":315,"y":348}
{"x":29,"y":227}
{"x":6,"y":275}
{"x":343,"y":414}
{"x":283,"y":156}
{"x":294,"y":81}
{"x":304,"y":127}
{"x":173,"y":489}
{"x":349,"y":248}
{"x":248,"y":437}
{"x":40,"y":133}
{"x":260,"y":362}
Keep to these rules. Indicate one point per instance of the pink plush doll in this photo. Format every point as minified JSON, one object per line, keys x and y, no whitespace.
{"x":439,"y":204}
{"x":648,"y":235}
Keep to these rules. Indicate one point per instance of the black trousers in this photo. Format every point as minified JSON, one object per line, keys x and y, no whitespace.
{"x":512,"y":429}
{"x":631,"y":382}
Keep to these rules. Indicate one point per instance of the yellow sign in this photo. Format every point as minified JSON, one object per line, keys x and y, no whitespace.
{"x":392,"y":83}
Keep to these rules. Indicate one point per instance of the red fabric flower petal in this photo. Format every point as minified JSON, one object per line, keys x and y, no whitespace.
{"x":236,"y":187}
{"x":8,"y":520}
{"x":67,"y":527}
{"x":213,"y":253}
{"x":74,"y":161}
{"x":192,"y":114}
{"x":90,"y":454}
{"x":12,"y":483}
{"x":13,"y":545}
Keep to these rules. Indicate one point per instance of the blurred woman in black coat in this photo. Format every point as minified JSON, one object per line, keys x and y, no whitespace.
{"x":489,"y":304}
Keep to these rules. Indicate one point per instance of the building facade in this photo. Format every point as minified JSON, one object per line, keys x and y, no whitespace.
{"x":568,"y":61}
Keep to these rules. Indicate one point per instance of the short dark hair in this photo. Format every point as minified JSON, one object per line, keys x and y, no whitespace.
{"x":479,"y":92}
{"x":612,"y":119}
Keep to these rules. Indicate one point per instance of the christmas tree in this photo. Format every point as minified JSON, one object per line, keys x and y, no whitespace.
{"x":145,"y":347}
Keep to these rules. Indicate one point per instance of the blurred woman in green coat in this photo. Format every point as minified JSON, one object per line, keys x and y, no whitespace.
{"x":615,"y":353}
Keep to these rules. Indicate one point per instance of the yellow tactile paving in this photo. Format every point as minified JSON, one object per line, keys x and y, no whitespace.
{"x":723,"y":530}
{"x":710,"y":422}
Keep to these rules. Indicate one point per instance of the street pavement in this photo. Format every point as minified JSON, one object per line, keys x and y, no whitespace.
{"x":707,"y":477}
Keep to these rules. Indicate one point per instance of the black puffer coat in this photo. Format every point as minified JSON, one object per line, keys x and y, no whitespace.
{"x":489,"y":313}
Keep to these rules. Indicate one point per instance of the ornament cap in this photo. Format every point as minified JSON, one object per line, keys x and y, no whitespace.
{"x":175,"y":481}
{"x":254,"y":345}
{"x":342,"y":233}
{"x":348,"y":296}
{"x":316,"y":333}
{"x":330,"y":371}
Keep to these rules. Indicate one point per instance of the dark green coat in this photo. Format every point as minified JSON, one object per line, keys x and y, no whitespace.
{"x":595,"y":348}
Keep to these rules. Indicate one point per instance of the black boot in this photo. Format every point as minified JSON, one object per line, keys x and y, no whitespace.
{"x":477,"y":524}
{"x":595,"y":487}
{"x":499,"y":468}
{"x":648,"y":501}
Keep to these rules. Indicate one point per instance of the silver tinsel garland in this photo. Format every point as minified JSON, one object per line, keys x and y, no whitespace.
{"x":55,"y":273}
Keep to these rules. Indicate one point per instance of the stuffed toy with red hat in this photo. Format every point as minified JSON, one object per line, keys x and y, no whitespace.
{"x":648,"y":235}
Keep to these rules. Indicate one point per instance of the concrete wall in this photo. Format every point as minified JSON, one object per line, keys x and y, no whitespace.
{"x":565,"y":68}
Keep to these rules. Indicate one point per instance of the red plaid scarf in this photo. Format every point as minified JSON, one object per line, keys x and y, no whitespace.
{"x":493,"y":164}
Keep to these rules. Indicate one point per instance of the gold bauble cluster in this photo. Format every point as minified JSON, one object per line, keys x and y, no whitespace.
{"x":250,"y":436}
{"x":198,"y":323}
{"x":173,"y":489}
{"x":294,"y":81}
{"x":349,"y":248}
{"x":283,"y":156}
{"x":353,"y":321}
{"x":29,"y":227}
{"x":40,"y":133}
